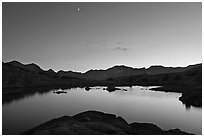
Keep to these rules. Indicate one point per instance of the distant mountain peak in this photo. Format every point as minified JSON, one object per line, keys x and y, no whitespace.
{"x":32,"y":64}
{"x":120,"y":67}
{"x":156,"y":66}
{"x":30,"y":67}
{"x":15,"y":63}
{"x":50,"y":70}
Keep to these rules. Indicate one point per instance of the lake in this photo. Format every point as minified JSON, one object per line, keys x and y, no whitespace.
{"x":137,"y":104}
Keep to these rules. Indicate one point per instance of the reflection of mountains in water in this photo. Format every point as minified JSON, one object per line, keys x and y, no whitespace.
{"x":16,"y":94}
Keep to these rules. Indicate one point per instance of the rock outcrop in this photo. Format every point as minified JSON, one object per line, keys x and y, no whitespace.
{"x":97,"y":123}
{"x":112,"y":88}
{"x":87,"y":88}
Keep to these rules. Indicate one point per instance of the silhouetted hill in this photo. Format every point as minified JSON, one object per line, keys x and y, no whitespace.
{"x":15,"y":74}
{"x":122,"y":71}
{"x":154,"y":70}
{"x":97,"y":123}
{"x":116,"y":71}
{"x":30,"y":67}
{"x":70,"y":74}
{"x":51,"y":72}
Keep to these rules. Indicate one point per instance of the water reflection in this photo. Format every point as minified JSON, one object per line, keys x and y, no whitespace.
{"x":10,"y":95}
{"x":146,"y":92}
{"x":35,"y":106}
{"x":17,"y":94}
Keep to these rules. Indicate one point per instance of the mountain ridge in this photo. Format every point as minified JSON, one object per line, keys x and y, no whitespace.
{"x":103,"y":74}
{"x":115,"y":66}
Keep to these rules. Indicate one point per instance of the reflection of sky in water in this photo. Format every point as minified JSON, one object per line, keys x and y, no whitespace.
{"x":163,"y":109}
{"x":145,"y":92}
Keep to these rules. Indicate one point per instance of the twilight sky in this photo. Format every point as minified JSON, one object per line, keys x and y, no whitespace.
{"x":101,"y":35}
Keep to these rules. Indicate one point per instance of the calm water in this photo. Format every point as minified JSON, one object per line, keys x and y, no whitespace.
{"x":137,"y":104}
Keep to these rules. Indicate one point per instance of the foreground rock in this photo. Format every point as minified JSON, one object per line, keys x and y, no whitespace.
{"x":97,"y":123}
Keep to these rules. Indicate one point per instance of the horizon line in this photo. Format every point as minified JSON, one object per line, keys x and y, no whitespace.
{"x":102,"y":69}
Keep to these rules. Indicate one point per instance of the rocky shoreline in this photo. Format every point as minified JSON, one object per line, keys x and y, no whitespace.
{"x":191,"y":96}
{"x":98,"y":123}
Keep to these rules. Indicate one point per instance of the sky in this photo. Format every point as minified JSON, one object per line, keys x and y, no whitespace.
{"x":83,"y":36}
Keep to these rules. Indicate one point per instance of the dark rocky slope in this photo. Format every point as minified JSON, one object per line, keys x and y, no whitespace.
{"x":17,"y":75}
{"x":97,"y":123}
{"x":122,"y":71}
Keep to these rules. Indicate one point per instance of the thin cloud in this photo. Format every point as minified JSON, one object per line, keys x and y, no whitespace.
{"x":119,"y":43}
{"x":120,"y":48}
{"x":122,"y":43}
{"x":144,"y":42}
{"x":130,"y":42}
